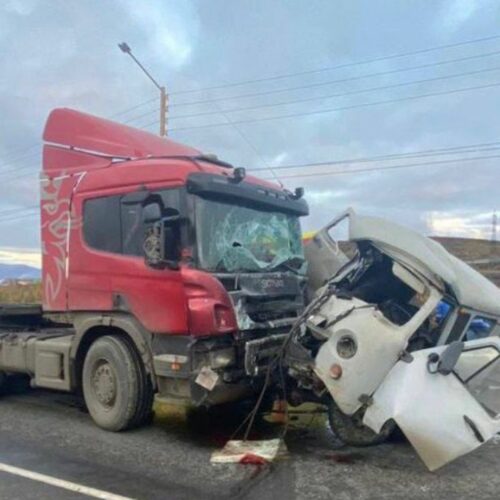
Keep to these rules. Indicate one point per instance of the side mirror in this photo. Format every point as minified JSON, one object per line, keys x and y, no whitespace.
{"x":450,"y":357}
{"x":136,"y":197}
{"x":162,"y":239}
{"x":151,"y":213}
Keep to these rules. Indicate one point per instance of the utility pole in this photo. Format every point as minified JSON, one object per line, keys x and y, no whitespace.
{"x":163,"y":112}
{"x":163,"y":92}
{"x":494,"y":222}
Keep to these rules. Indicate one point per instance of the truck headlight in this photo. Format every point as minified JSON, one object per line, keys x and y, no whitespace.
{"x":346,"y":347}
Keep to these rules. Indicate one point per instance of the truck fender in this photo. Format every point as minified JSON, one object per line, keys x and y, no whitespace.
{"x":89,"y":326}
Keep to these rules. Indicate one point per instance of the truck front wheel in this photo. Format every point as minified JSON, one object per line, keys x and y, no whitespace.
{"x":115,"y":388}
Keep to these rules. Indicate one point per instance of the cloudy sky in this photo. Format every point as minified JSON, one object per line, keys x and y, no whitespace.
{"x":342,"y":96}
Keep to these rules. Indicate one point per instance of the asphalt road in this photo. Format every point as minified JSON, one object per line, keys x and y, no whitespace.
{"x":50,"y":434}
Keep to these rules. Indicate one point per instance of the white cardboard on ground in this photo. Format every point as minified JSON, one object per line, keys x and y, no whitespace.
{"x":235,"y":450}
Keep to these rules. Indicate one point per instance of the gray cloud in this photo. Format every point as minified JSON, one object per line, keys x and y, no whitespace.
{"x":62,"y":53}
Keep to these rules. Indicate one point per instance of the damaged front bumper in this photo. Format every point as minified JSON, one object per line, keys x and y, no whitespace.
{"x":206,"y":372}
{"x":260,"y":352}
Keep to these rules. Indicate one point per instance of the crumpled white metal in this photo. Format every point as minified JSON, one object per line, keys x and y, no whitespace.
{"x":432,"y":409}
{"x":379,"y":344}
{"x":429,"y":258}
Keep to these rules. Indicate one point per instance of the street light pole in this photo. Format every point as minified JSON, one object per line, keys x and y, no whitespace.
{"x":163,"y":111}
{"x":163,"y":92}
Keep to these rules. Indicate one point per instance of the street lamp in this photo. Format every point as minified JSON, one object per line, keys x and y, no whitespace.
{"x":163,"y":94}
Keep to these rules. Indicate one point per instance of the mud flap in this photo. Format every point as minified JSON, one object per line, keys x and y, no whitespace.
{"x":443,"y":416}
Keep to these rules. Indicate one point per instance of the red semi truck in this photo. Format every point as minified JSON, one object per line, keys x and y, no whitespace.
{"x":165,"y":271}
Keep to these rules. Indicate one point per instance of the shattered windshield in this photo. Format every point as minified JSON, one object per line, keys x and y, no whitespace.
{"x":235,"y":238}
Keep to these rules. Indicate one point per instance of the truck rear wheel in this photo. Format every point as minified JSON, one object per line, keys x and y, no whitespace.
{"x":351,"y":430}
{"x":116,"y":389}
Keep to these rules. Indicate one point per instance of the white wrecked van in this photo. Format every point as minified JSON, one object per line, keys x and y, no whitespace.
{"x":404,"y":334}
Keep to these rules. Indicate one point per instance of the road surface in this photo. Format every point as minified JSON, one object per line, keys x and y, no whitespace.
{"x":50,"y":449}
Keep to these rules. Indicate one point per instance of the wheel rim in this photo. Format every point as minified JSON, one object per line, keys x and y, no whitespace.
{"x":104,"y":383}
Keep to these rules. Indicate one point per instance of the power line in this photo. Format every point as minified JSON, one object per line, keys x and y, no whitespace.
{"x":24,"y":149}
{"x":341,"y":108}
{"x":31,"y":174}
{"x":22,"y":168}
{"x":19,"y":158}
{"x":473,"y":148}
{"x":17,"y":177}
{"x":347,"y":79}
{"x":330,"y":96}
{"x":301,"y":73}
{"x":25,"y":154}
{"x":319,"y":98}
{"x":137,"y":117}
{"x":15,"y":210}
{"x":252,"y":147}
{"x":390,"y":167}
{"x":140,"y":105}
{"x":8,"y":217}
{"x":17,"y":213}
{"x":17,"y":217}
{"x":14,"y":214}
{"x":340,"y":66}
{"x":452,"y":150}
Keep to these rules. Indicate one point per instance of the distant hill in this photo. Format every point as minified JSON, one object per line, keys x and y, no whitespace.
{"x":482,"y":255}
{"x":19,"y":272}
{"x":469,"y":249}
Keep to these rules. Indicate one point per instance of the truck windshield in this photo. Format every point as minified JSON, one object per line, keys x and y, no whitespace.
{"x":234,"y":238}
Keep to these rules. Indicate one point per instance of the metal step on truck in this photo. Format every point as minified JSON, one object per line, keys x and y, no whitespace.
{"x":165,"y":271}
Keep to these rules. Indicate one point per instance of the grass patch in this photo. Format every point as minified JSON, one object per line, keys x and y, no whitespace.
{"x":14,"y":293}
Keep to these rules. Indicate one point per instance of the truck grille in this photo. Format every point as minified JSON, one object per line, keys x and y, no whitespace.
{"x":265,"y":300}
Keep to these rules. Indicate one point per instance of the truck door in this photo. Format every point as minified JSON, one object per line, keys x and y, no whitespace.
{"x":107,"y":268}
{"x":326,"y":252}
{"x":446,"y":400}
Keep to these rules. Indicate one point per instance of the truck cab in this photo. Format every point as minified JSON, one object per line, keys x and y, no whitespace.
{"x":194,"y":266}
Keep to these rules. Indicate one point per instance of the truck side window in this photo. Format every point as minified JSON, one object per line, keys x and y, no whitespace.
{"x":112,"y":226}
{"x":101,"y":223}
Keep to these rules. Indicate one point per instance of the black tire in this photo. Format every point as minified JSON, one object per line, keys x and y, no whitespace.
{"x":144,"y":413}
{"x":350,"y":430}
{"x":3,"y":379}
{"x":115,"y":386}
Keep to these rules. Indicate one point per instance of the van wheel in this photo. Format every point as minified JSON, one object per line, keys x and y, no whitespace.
{"x":351,"y":431}
{"x":115,"y":387}
{"x":3,"y":379}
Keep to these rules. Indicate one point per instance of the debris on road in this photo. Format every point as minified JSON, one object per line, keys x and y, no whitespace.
{"x":250,"y":452}
{"x":207,"y":378}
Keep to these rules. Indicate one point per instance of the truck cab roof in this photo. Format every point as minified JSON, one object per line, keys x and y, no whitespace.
{"x":78,"y":142}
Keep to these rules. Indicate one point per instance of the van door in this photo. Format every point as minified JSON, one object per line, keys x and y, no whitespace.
{"x":329,"y":250}
{"x":445,"y":408}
